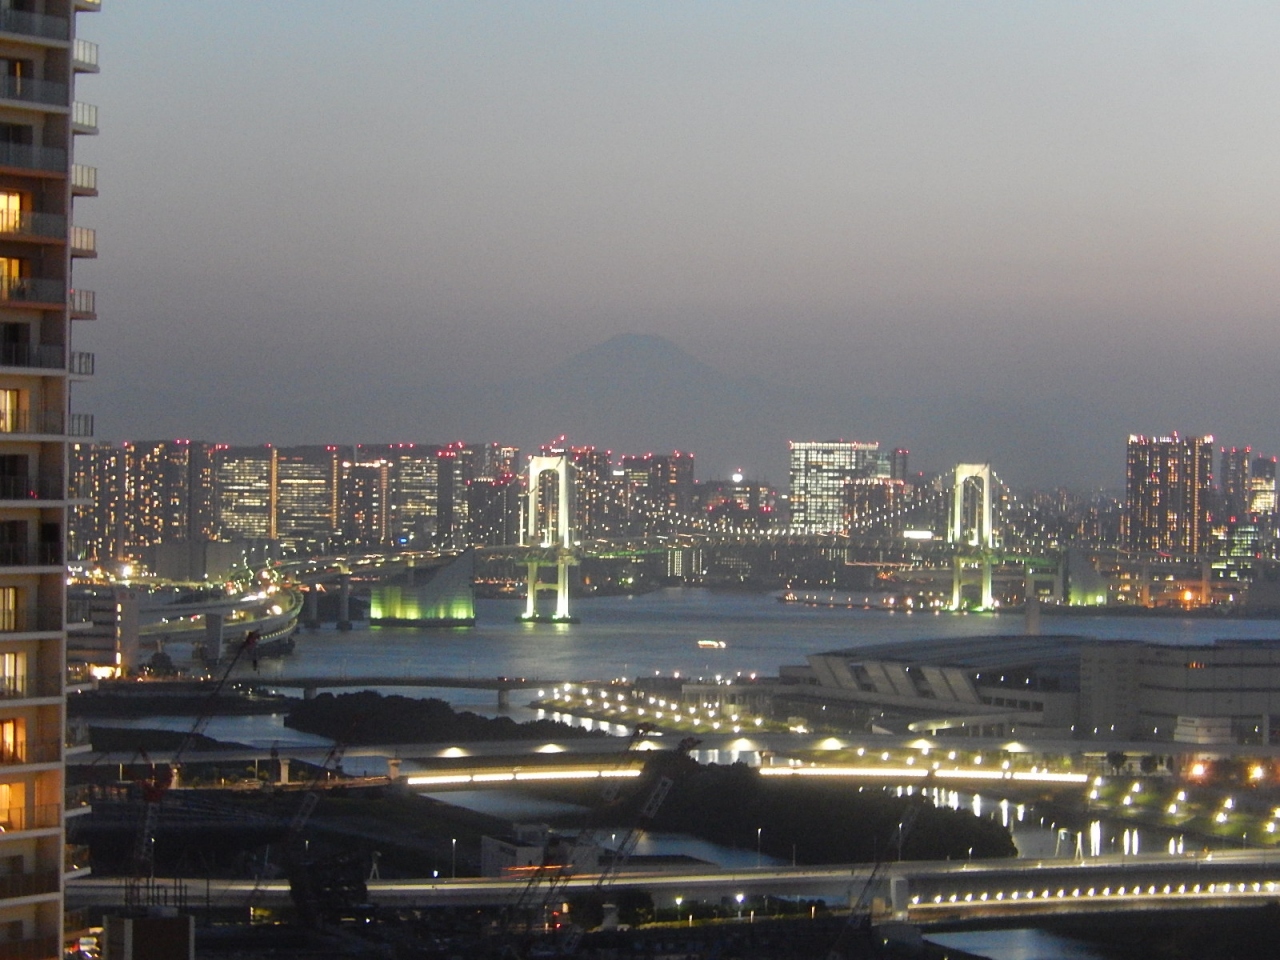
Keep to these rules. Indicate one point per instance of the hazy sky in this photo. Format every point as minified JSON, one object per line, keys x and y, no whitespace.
{"x":1049,"y":224}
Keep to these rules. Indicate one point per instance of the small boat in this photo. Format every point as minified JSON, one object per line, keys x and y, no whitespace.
{"x":712,"y":644}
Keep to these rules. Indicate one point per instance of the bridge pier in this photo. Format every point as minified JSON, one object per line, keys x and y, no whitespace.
{"x":284,"y":771}
{"x":311,"y":615}
{"x":504,"y":698}
{"x":393,"y":768}
{"x":309,"y":693}
{"x":344,"y":601}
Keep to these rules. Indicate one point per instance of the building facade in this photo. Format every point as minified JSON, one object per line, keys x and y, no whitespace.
{"x":39,"y":242}
{"x":820,"y":472}
{"x":1168,"y":483}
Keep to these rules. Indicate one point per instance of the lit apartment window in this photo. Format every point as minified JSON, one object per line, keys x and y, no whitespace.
{"x":13,"y":674}
{"x":11,"y":741}
{"x":8,"y":612}
{"x":11,"y":411}
{"x":10,"y":211}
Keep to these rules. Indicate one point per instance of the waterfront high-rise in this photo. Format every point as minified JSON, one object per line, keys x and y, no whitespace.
{"x":39,"y":242}
{"x":1168,"y":482}
{"x":246,"y":504}
{"x":820,"y":473}
{"x":168,"y":492}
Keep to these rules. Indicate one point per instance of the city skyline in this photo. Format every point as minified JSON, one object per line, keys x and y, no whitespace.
{"x":990,"y":233}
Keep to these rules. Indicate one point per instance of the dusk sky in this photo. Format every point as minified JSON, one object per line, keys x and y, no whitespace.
{"x":987,"y":231}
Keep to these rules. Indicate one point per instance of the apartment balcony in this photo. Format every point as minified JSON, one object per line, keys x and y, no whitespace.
{"x":34,"y":291}
{"x":25,"y":225}
{"x":32,"y":422}
{"x":26,"y":157}
{"x":29,"y":686}
{"x":37,"y":948}
{"x":38,"y":817}
{"x":42,"y":356}
{"x":75,"y":857}
{"x":84,"y":180}
{"x":84,"y":117}
{"x":41,"y":751}
{"x":84,"y":56}
{"x":26,"y":90}
{"x":80,"y":425}
{"x":81,"y":364}
{"x":79,"y":797}
{"x":83,"y":305}
{"x":30,"y":554}
{"x":34,"y":25}
{"x":34,"y":487}
{"x":84,"y":242}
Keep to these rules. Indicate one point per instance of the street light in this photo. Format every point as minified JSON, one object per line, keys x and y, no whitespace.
{"x":758,"y":829}
{"x":740,"y":897}
{"x":679,"y":901}
{"x":453,"y":860}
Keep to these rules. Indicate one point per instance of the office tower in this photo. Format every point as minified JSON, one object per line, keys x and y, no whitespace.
{"x":97,"y":488}
{"x":307,"y":486}
{"x":659,"y":487}
{"x":898,"y":469}
{"x":168,"y":494}
{"x":451,"y":496}
{"x":411,"y":489}
{"x":1167,"y":484}
{"x":366,"y":489}
{"x":246,"y":492}
{"x":39,"y":118}
{"x":738,"y":501}
{"x":1233,"y":482}
{"x":493,"y":511}
{"x":1262,"y":486}
{"x":820,"y":472}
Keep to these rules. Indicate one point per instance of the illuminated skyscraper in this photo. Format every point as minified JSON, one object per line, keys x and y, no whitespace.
{"x":1233,"y":481}
{"x":1262,"y":486}
{"x":97,"y":482}
{"x":307,"y":483}
{"x":246,"y":492}
{"x":168,"y":494}
{"x":820,"y":473}
{"x":39,"y":118}
{"x":1167,"y":488}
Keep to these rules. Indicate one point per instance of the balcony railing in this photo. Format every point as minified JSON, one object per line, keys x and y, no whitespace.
{"x":29,"y":157}
{"x":24,"y":223}
{"x":84,"y":55}
{"x":32,"y":290}
{"x":27,"y":620}
{"x":84,"y":115}
{"x":34,"y":91}
{"x":46,"y":356}
{"x":41,"y":751}
{"x":31,"y":818}
{"x":79,"y":796}
{"x":26,"y":421}
{"x":84,"y":240}
{"x":34,"y":24}
{"x":84,"y":177}
{"x":22,"y":686}
{"x":81,"y":364}
{"x":83,"y":302}
{"x":80,"y":425}
{"x":75,"y":856}
{"x":37,"y":948}
{"x":30,"y":554}
{"x":36,"y":487}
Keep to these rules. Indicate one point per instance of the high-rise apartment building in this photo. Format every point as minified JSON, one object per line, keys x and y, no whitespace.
{"x":821,"y":471}
{"x":40,"y":57}
{"x":1168,"y":481}
{"x":168,"y":493}
{"x":1233,"y":481}
{"x":96,"y":485}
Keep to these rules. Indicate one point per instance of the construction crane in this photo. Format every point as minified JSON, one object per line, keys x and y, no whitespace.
{"x":140,"y":888}
{"x":858,"y":924}
{"x":548,"y":879}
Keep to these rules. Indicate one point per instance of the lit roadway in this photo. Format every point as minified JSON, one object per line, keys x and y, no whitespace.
{"x":931,"y":892}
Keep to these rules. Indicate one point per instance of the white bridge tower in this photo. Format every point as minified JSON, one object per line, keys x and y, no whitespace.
{"x":972,"y":534}
{"x":548,"y":527}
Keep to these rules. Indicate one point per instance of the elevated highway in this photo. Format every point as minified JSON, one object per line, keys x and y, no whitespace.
{"x":923,"y":893}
